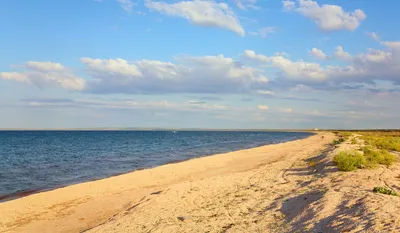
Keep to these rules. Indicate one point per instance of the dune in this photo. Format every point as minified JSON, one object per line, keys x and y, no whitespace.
{"x":287,"y":187}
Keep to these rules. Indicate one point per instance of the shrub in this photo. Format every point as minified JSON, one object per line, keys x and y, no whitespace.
{"x":336,"y":142}
{"x":384,"y":190}
{"x":375,"y":157}
{"x":383,"y":142}
{"x":353,"y":141}
{"x":350,"y":161}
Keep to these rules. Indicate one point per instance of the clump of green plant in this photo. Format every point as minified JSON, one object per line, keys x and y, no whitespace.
{"x":353,"y":141}
{"x":345,"y":135}
{"x":385,"y":190}
{"x":350,"y":160}
{"x":336,"y":142}
{"x":312,"y":163}
{"x":383,"y":142}
{"x":375,"y":157}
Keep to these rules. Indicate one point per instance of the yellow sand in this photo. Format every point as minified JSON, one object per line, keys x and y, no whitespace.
{"x":266,"y":189}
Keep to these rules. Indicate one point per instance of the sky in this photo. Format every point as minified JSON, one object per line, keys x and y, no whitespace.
{"x":260,"y":64}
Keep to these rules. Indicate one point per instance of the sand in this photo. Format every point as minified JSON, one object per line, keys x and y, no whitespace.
{"x":288,"y":187}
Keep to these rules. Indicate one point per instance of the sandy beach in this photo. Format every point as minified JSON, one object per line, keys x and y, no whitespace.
{"x":287,"y":187}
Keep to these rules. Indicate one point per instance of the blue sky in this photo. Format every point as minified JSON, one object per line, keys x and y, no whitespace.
{"x":202,"y":64}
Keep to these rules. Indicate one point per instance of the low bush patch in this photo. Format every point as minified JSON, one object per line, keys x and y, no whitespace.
{"x":375,"y":157}
{"x":350,"y":160}
{"x":384,"y":190}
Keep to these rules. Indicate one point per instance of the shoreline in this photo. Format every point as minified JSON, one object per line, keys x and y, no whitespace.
{"x":25,"y":193}
{"x":41,"y":212}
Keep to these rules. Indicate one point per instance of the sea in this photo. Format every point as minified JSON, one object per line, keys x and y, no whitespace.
{"x":33,"y":161}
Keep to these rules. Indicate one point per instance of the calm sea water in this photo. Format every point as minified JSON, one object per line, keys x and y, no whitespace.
{"x":39,"y":160}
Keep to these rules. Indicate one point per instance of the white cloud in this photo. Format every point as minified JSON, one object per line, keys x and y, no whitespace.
{"x":293,"y":70}
{"x":373,"y":35}
{"x":202,"y":13}
{"x":250,"y":54}
{"x":245,"y":4}
{"x":287,"y":110}
{"x":206,"y":74}
{"x":264,"y":92}
{"x":263,"y":32}
{"x":112,"y":66}
{"x":124,"y":104}
{"x":341,"y":54}
{"x":364,"y":68}
{"x":263,"y":107}
{"x":187,"y":74}
{"x":317,"y":53}
{"x":44,"y":66}
{"x":327,"y":17}
{"x":395,"y":45}
{"x":127,"y":5}
{"x":44,"y":74}
{"x":288,"y":5}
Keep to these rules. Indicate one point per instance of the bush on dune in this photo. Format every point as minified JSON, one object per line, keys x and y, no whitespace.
{"x":383,"y":142}
{"x":350,"y":160}
{"x":376,"y":157}
{"x":353,"y":141}
{"x":385,"y":190}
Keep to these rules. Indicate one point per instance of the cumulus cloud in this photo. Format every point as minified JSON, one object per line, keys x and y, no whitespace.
{"x":263,"y":107}
{"x":127,"y":5}
{"x":288,"y":5}
{"x":263,"y":32}
{"x":45,"y":74}
{"x":365,"y":68}
{"x":327,"y":17}
{"x":317,"y":53}
{"x":192,"y":106}
{"x":245,"y":4}
{"x":187,"y":74}
{"x":201,"y":12}
{"x":265,"y":92}
{"x":341,"y":54}
{"x":206,"y":74}
{"x":250,"y":54}
{"x":287,"y":110}
{"x":373,"y":35}
{"x":293,"y":70}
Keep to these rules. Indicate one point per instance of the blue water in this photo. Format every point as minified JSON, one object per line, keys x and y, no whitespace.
{"x":39,"y":160}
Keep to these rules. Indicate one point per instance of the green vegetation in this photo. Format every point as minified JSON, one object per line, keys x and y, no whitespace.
{"x":353,"y":141}
{"x":345,"y":135}
{"x":383,"y":142}
{"x":384,"y":190}
{"x":336,"y":142}
{"x":375,"y":153}
{"x":350,"y":160}
{"x":375,"y":157}
{"x":312,"y":163}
